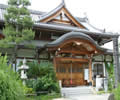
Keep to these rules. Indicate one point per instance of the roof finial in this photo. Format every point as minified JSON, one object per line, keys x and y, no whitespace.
{"x":63,"y":2}
{"x":85,"y":16}
{"x":104,"y":30}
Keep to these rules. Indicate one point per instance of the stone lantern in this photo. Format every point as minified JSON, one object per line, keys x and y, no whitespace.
{"x":23,"y":68}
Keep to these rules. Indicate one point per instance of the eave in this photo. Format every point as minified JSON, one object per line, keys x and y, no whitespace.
{"x":70,"y":28}
{"x":71,"y":35}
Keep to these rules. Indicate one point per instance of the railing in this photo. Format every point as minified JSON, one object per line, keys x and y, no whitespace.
{"x":42,"y":93}
{"x":37,"y":93}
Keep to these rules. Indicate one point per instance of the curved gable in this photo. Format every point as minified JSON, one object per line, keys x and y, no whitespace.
{"x":79,"y":39}
{"x":61,"y":15}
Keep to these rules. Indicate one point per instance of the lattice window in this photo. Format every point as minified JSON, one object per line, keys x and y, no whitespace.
{"x":98,"y":69}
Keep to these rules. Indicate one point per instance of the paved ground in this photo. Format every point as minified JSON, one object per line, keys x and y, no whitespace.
{"x":62,"y":99}
{"x":91,"y":97}
{"x":88,"y":97}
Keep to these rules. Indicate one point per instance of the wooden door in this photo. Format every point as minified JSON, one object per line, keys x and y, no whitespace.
{"x":71,"y":74}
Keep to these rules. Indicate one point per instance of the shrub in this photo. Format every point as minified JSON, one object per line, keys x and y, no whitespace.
{"x":39,"y":69}
{"x":46,"y":83}
{"x":11,"y":87}
{"x":43,"y":75}
{"x":29,"y":90}
{"x":117,"y":93}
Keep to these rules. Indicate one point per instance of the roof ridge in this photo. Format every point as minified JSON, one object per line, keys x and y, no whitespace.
{"x":61,"y":5}
{"x":81,"y":19}
{"x":95,"y":27}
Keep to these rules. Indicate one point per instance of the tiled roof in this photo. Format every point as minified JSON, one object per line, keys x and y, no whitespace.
{"x":52,"y":12}
{"x":38,"y":15}
{"x":72,"y":35}
{"x":70,"y":28}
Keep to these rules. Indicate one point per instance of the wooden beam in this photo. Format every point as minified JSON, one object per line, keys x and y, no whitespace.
{"x":61,"y":17}
{"x":72,"y":59}
{"x":51,"y":17}
{"x":75,"y":52}
{"x":68,"y":41}
{"x":32,"y":58}
{"x":78,"y":40}
{"x":62,"y":22}
{"x":102,"y":42}
{"x":55,"y":63}
{"x":90,"y":70}
{"x":72,"y":18}
{"x":101,"y":61}
{"x":69,"y":16}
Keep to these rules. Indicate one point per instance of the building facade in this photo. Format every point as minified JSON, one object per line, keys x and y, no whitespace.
{"x":72,"y":43}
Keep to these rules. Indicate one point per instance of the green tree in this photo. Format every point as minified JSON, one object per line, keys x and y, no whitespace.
{"x":18,"y":24}
{"x":11,"y":87}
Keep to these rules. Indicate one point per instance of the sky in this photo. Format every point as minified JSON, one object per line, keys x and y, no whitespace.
{"x":103,"y":14}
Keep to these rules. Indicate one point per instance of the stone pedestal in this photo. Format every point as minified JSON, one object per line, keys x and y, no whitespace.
{"x":99,"y":83}
{"x":23,"y":69}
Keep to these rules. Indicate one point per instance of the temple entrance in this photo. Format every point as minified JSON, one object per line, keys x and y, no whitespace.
{"x":70,"y":72}
{"x":72,"y":54}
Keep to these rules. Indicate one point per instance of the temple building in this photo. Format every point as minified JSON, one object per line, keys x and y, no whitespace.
{"x":71,"y":43}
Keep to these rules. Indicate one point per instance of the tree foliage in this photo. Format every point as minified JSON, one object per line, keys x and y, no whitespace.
{"x":40,"y":69}
{"x":46,"y":83}
{"x":11,"y":87}
{"x":117,"y":92}
{"x":18,"y":23}
{"x":110,"y":70}
{"x":43,"y":75}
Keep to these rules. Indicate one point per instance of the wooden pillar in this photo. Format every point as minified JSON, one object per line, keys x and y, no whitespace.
{"x":116,"y":61}
{"x":55,"y":63}
{"x":90,"y":71}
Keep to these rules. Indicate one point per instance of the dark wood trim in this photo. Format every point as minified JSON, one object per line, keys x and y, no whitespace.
{"x":61,"y":21}
{"x":51,"y":17}
{"x":72,"y":59}
{"x":90,"y":70}
{"x":76,"y":40}
{"x":69,"y":16}
{"x":72,"y":18}
{"x":33,"y":58}
{"x":75,"y":52}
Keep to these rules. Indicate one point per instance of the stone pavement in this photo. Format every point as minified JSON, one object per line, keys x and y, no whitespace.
{"x":91,"y":97}
{"x":87,"y":97}
{"x":62,"y":99}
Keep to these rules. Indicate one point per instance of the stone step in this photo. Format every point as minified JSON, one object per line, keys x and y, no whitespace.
{"x":85,"y":92}
{"x":76,"y":91}
{"x":75,"y":94}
